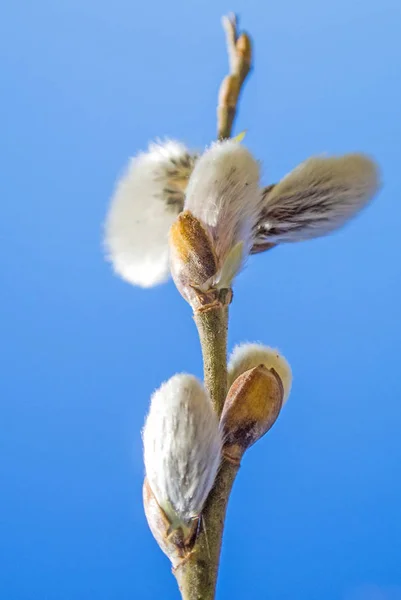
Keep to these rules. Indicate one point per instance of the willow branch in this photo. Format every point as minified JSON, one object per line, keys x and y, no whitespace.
{"x":197,"y":573}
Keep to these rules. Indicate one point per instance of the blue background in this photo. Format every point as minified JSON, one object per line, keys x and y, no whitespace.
{"x":316,"y":509}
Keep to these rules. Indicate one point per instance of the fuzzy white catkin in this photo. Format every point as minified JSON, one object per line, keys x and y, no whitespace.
{"x":223,"y":192}
{"x":147,"y":199}
{"x":182,"y":448}
{"x":248,"y":356}
{"x":317,"y":197}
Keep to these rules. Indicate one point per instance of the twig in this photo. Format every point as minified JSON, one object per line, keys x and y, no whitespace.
{"x":240,"y":56}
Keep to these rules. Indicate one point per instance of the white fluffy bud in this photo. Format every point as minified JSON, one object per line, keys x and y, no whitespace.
{"x":316,"y":198}
{"x":147,"y":199}
{"x":182,"y":448}
{"x":249,"y":356}
{"x":223,"y":193}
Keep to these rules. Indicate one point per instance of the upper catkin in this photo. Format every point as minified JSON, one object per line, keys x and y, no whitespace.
{"x":223,"y":193}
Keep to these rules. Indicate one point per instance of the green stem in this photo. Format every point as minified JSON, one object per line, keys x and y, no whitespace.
{"x":197,"y":574}
{"x":212,"y":327}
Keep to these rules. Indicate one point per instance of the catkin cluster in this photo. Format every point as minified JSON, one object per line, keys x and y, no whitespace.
{"x":185,"y":441}
{"x":224,"y":212}
{"x":199,"y":217}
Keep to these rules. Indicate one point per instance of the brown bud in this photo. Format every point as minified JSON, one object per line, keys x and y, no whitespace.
{"x":244,"y":48}
{"x":252,"y":406}
{"x":193,"y":261}
{"x":175,"y":543}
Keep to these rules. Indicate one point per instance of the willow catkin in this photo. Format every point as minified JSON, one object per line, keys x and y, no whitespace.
{"x":182,"y":448}
{"x":316,"y":198}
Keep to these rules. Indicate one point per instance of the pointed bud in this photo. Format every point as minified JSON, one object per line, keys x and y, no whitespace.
{"x":316,"y":198}
{"x":244,"y":48}
{"x":248,"y":356}
{"x":182,"y":449}
{"x":145,"y":203}
{"x":171,"y":541}
{"x":192,"y":259}
{"x":252,"y":406}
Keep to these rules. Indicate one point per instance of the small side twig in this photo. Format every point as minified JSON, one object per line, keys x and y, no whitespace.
{"x":240,"y":58}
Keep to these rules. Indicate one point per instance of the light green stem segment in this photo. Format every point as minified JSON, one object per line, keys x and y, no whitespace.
{"x":197,"y":574}
{"x":212,"y":327}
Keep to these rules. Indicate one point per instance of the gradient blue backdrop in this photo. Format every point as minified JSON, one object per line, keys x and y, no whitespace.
{"x":316,"y":509}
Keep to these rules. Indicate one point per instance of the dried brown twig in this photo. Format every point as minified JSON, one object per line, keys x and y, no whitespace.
{"x":240,"y":61}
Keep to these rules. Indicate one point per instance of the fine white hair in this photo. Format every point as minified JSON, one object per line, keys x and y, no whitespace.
{"x":182,"y":448}
{"x":316,"y":198}
{"x":247,"y":356}
{"x":146,"y":201}
{"x":223,"y":193}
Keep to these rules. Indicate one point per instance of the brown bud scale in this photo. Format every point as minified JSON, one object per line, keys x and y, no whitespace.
{"x":175,"y":543}
{"x":252,"y":406}
{"x":192,"y":259}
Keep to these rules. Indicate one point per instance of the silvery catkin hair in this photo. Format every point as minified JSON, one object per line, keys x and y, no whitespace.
{"x":317,"y":197}
{"x":182,"y":448}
